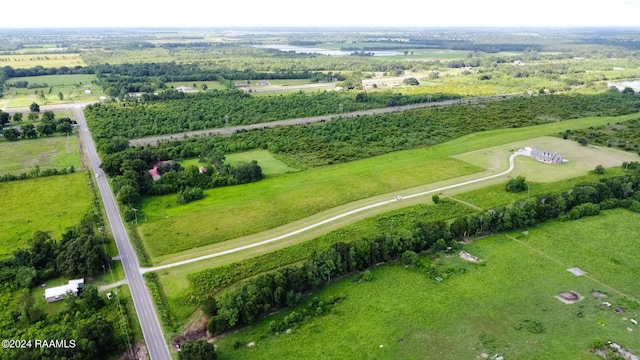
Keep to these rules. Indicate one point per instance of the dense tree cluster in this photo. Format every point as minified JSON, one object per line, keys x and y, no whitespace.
{"x":154,"y":115}
{"x":79,"y":253}
{"x":284,"y":287}
{"x":132,"y":179}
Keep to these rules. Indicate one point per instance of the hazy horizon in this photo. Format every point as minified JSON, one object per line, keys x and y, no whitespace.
{"x":76,"y":14}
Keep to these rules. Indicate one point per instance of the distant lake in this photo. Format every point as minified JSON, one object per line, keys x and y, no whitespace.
{"x":635,"y":85}
{"x":309,"y":50}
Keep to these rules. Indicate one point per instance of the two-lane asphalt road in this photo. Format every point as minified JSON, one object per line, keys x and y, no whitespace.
{"x":151,"y":329}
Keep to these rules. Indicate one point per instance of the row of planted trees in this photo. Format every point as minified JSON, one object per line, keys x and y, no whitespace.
{"x":246,"y":302}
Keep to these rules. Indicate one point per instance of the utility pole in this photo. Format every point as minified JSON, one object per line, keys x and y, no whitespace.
{"x":135,"y":213}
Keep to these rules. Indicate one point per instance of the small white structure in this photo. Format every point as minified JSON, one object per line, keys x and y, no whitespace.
{"x":60,"y":292}
{"x":186,"y":89}
{"x":548,"y":157}
{"x":87,"y":92}
{"x":576,"y":271}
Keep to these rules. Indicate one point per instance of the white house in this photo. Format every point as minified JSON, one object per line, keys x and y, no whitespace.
{"x":87,"y":92}
{"x":544,"y":156}
{"x":59,"y":292}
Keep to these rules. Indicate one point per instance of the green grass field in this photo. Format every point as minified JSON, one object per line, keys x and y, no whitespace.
{"x":269,"y":164}
{"x":47,"y":152}
{"x":477,"y":309}
{"x":242,"y":210}
{"x":48,"y":204}
{"x":72,"y":88}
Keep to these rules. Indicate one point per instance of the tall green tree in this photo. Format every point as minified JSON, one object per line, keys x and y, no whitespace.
{"x":197,"y":350}
{"x":17,"y":117}
{"x":34,"y":107}
{"x":92,"y":299}
{"x":97,"y":337}
{"x":60,"y":96}
{"x":4,"y":118}
{"x":29,"y":131}
{"x":10,"y":134}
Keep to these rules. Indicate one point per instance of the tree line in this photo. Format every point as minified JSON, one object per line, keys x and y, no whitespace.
{"x":79,"y":253}
{"x":246,"y":302}
{"x":47,"y":126}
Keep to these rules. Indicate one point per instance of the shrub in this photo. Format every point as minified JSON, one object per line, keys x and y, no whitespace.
{"x":189,"y":194}
{"x":517,"y":185}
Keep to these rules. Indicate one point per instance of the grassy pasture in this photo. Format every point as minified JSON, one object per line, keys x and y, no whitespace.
{"x":242,"y":210}
{"x":476,"y":309}
{"x":269,"y":164}
{"x":286,"y":198}
{"x":48,"y":60}
{"x":71,"y":86}
{"x":47,"y":152}
{"x":48,"y":204}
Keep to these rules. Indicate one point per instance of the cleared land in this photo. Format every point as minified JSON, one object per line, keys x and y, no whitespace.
{"x":48,"y":152}
{"x":506,"y":306}
{"x":242,"y":210}
{"x":213,"y":85}
{"x":47,"y":60}
{"x":269,"y":164}
{"x":49,"y":204}
{"x":72,"y":88}
{"x":580,"y":158}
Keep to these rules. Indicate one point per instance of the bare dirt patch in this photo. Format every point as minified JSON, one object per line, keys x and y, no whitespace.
{"x":569,"y":297}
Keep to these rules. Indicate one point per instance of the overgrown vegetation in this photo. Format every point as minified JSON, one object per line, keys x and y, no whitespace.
{"x":179,"y":112}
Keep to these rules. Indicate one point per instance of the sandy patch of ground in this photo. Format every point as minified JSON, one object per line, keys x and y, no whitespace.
{"x":468,"y":257}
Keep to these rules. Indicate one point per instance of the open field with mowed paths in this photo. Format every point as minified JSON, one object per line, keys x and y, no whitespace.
{"x":507,"y":305}
{"x":47,"y":152}
{"x":236,"y":211}
{"x":49,"y":204}
{"x":71,"y":86}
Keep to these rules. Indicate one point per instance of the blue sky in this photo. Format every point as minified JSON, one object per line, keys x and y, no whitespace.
{"x":245,"y":13}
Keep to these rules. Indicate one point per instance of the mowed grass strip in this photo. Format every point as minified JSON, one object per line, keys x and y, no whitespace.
{"x":48,"y":152}
{"x":231,"y":212}
{"x":405,"y":314}
{"x":49,"y":204}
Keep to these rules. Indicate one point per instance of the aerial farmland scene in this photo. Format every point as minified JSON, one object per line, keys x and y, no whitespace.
{"x":268,"y":181}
